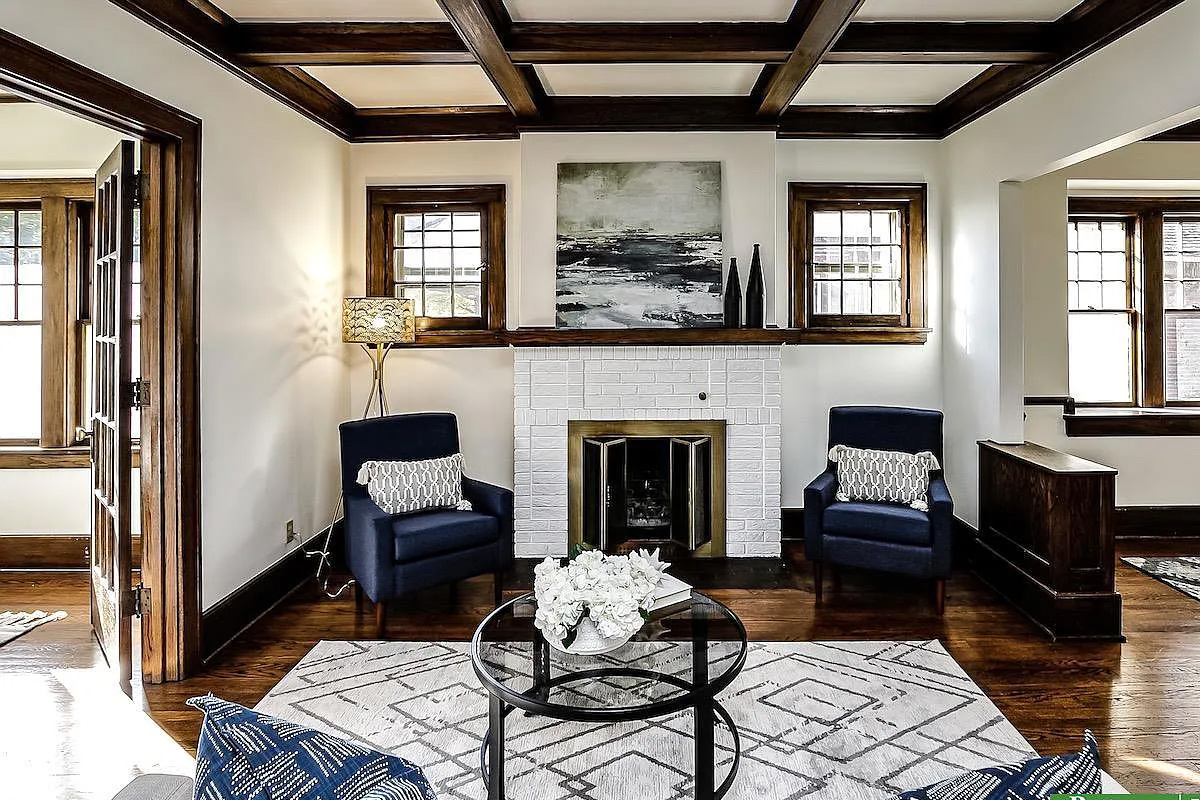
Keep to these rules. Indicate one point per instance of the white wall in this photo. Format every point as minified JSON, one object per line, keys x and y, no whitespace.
{"x":1065,"y":120}
{"x":476,"y":384}
{"x":36,"y":141}
{"x":272,"y":217}
{"x":1152,"y":470}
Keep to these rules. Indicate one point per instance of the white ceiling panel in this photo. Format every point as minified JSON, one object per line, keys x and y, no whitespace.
{"x":966,"y":10}
{"x":334,"y":10}
{"x":884,"y":84}
{"x":648,"y":80}
{"x":649,"y":10}
{"x":410,"y":85}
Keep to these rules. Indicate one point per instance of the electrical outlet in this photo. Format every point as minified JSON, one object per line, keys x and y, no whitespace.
{"x":290,"y":531}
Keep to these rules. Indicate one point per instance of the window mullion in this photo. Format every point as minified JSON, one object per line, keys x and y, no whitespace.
{"x":1151,"y":224}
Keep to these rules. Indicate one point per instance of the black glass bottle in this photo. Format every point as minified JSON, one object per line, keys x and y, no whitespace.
{"x":733,"y":297}
{"x":755,"y":292}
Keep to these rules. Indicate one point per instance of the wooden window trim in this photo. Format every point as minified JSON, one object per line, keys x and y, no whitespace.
{"x":384,"y":202}
{"x":906,"y":328}
{"x":1146,"y":247}
{"x":61,"y":358}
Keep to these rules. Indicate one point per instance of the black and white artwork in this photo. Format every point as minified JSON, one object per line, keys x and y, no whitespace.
{"x":639,"y":245}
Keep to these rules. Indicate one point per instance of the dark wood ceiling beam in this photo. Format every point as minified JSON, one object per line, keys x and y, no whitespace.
{"x":648,"y":114}
{"x":582,"y":43}
{"x":1189,"y":132}
{"x":341,"y":43}
{"x":212,"y":34}
{"x":434,"y":124}
{"x":860,"y":122}
{"x":944,"y":43}
{"x":480,"y":26}
{"x":1078,"y":34}
{"x":821,"y":22}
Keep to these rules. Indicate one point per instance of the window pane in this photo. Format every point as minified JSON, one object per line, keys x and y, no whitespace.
{"x":856,"y":262}
{"x":8,"y":228}
{"x":29,"y":228}
{"x":8,"y":303}
{"x":885,"y":297}
{"x":886,"y":262}
{"x":1089,"y":266}
{"x":856,"y":227}
{"x":29,"y":303}
{"x":856,"y":297}
{"x":408,"y":264}
{"x":1072,"y":266}
{"x":827,"y":297}
{"x":466,"y":220}
{"x":437,"y":301}
{"x":1114,"y":295}
{"x":1181,"y":340}
{"x":827,"y":227}
{"x":30,"y":274}
{"x":1113,"y":266}
{"x":827,"y":261}
{"x":412,"y":293}
{"x":1173,"y":294}
{"x":1072,"y":235}
{"x":21,"y":377}
{"x":1073,"y":296}
{"x":1172,"y":235}
{"x":885,"y":227}
{"x":437,"y":265}
{"x":1191,"y":265}
{"x":1191,"y":294}
{"x":1100,"y":367}
{"x":466,"y":301}
{"x":467,"y":239}
{"x":1172,"y":266}
{"x":1112,"y":236}
{"x":437,"y":230}
{"x":467,"y":263}
{"x":410,"y":222}
{"x":1089,"y":236}
{"x":1090,"y":295}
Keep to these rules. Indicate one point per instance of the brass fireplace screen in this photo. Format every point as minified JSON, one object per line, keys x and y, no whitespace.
{"x":647,"y":483}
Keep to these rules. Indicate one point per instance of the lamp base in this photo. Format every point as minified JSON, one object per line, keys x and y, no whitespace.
{"x":378,"y":395}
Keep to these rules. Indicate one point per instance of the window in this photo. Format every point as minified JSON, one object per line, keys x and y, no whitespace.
{"x":42,"y":227}
{"x":858,"y":261}
{"x":442,"y":248}
{"x":21,"y":322}
{"x":1101,"y":319}
{"x":1133,"y":278}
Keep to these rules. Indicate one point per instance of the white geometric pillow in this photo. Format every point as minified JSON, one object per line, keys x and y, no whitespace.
{"x":401,"y":487}
{"x":883,"y":476}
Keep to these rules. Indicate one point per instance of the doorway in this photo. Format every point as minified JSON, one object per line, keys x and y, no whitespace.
{"x":166,"y":188}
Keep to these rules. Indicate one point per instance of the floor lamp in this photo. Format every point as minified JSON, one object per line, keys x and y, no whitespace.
{"x":375,"y":323}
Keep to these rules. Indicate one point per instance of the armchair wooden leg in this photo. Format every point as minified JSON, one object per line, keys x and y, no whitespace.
{"x":358,"y":598}
{"x":939,"y":596}
{"x":817,"y":584}
{"x":381,"y":619}
{"x":498,"y":587}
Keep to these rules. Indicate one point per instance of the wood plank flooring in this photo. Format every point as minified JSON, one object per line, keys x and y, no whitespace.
{"x":1142,"y":698}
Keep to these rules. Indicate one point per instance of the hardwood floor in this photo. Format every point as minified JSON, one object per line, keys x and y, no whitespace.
{"x":1141,"y":698}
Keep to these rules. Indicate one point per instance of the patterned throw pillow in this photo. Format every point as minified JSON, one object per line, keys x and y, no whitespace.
{"x":883,"y":476}
{"x":245,"y":755}
{"x":401,"y":487}
{"x":1037,"y":779}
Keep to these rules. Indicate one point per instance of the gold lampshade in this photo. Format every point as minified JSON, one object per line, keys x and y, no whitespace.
{"x":377,"y":320}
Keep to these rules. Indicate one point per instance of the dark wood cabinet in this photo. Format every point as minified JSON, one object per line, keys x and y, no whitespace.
{"x":1045,"y":538}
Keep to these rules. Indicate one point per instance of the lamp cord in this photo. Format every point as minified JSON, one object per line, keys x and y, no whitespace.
{"x":324,"y":563}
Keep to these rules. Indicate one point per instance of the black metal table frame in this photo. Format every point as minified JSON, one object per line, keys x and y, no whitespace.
{"x":701,"y":698}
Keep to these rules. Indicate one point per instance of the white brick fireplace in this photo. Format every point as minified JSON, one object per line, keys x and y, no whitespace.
{"x":740,"y":384}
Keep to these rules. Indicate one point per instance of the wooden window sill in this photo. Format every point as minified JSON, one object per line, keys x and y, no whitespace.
{"x":1133,"y":422}
{"x":76,"y":457}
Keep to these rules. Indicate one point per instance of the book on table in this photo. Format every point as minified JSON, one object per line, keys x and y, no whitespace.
{"x":671,"y":591}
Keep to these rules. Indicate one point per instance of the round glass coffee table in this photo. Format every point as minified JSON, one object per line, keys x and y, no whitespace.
{"x":681,"y":659}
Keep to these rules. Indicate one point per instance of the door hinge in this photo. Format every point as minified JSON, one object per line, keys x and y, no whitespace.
{"x":139,"y":394}
{"x":140,"y":600}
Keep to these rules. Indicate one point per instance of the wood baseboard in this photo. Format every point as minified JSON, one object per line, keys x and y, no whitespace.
{"x":51,"y":551}
{"x":232,"y":615}
{"x":1156,"y":521}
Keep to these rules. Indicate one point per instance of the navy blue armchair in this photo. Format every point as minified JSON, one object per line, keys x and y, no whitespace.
{"x":881,"y":536}
{"x":391,"y":555}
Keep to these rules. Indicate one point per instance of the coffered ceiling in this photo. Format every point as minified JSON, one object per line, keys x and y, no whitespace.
{"x":476,"y":69}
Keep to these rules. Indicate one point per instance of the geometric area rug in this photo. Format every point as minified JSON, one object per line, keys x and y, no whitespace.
{"x":835,"y":720}
{"x":1178,"y":572}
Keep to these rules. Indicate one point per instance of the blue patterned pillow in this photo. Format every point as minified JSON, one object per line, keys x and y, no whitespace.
{"x":1036,"y":779}
{"x":245,"y":755}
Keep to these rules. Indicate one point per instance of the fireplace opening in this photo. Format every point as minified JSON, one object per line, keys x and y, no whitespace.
{"x":648,"y":484}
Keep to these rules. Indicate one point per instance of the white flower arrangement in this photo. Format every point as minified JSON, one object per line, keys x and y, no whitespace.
{"x":615,"y":592}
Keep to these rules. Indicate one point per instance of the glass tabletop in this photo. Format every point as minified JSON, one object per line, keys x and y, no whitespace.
{"x":690,"y":650}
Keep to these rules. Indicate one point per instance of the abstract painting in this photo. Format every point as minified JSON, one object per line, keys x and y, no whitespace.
{"x":639,"y":245}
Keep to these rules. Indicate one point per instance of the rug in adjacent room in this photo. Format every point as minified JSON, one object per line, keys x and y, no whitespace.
{"x":844,"y":720}
{"x":15,"y":624}
{"x":1178,"y":572}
